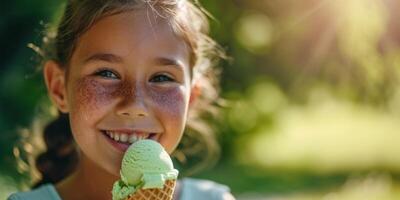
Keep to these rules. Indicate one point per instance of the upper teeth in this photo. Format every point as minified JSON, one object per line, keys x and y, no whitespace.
{"x":123,"y":137}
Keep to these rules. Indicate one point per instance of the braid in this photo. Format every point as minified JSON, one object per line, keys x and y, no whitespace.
{"x":61,"y":157}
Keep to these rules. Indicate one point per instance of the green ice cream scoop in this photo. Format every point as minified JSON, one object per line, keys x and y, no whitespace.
{"x":145,"y":165}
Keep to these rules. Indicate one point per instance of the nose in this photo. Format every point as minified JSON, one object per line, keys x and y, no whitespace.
{"x":133,"y":106}
{"x":133,"y":109}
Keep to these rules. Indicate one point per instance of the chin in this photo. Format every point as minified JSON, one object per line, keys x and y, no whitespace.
{"x":114,"y":171}
{"x":109,"y":168}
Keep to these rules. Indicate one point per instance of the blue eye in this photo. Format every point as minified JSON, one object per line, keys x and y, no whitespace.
{"x":162,"y":78}
{"x":107,"y":74}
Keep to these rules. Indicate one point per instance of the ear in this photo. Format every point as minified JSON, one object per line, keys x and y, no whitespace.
{"x":54,"y":77}
{"x":195,"y":92}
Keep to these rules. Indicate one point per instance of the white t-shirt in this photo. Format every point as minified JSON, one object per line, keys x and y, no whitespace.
{"x":191,"y":189}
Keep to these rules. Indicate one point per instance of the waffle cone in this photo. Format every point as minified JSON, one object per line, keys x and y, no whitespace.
{"x":165,"y":193}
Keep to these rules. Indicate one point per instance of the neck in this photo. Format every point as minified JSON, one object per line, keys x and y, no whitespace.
{"x":89,"y":181}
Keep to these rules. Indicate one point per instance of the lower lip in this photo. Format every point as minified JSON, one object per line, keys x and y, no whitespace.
{"x":122,"y":147}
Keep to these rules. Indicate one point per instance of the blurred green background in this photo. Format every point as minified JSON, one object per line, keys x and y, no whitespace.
{"x":312,"y":95}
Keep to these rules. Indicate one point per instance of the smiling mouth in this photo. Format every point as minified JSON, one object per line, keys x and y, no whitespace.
{"x":128,"y":138}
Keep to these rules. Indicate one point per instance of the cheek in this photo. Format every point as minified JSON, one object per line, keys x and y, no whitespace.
{"x":92,"y":95}
{"x":171,"y":102}
{"x":171,"y":110}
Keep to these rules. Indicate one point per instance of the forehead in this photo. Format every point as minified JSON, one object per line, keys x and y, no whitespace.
{"x":134,"y":34}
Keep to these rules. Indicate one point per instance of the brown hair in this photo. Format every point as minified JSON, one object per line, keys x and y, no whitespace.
{"x":198,"y":147}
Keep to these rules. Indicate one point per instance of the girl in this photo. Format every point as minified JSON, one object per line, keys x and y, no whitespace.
{"x":121,"y":71}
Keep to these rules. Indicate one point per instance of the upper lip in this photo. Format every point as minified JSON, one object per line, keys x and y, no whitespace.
{"x":146,"y":134}
{"x":130,"y":131}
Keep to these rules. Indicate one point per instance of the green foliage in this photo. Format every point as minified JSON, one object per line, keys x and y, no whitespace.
{"x":311,"y":93}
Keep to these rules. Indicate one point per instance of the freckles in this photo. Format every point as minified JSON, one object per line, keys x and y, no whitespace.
{"x":92,"y":95}
{"x":171,"y":102}
{"x":124,"y":90}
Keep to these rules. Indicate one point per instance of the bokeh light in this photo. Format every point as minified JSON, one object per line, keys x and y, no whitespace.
{"x":311,"y":105}
{"x":254,"y":31}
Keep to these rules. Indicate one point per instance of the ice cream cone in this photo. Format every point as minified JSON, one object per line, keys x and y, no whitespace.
{"x":147,"y":173}
{"x":165,"y":193}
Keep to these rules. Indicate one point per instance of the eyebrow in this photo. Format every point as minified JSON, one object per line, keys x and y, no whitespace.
{"x":112,"y":58}
{"x":107,"y":57}
{"x":164,"y":61}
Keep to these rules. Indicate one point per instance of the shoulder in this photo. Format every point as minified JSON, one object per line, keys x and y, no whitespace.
{"x":196,"y":189}
{"x":45,"y":192}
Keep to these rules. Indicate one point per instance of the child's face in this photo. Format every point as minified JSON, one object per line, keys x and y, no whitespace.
{"x":129,"y":74}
